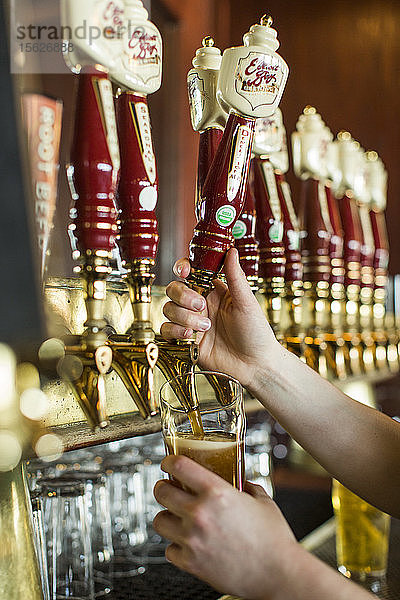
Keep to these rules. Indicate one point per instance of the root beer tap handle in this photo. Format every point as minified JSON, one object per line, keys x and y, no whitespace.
{"x":138,"y":73}
{"x":244,"y":233}
{"x":206,"y":114}
{"x":42,"y":118}
{"x":250,"y":85}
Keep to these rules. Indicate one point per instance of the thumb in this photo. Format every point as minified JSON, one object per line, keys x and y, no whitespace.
{"x":241,"y":294}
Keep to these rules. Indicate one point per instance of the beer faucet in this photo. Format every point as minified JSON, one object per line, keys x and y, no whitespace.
{"x":206,"y":114}
{"x":291,"y":320}
{"x":336,"y":250}
{"x":209,"y":119}
{"x":363,"y":197}
{"x":352,"y":249}
{"x":269,"y":223}
{"x":308,"y":147}
{"x":250,"y":84}
{"x":244,"y":234}
{"x":383,"y":335}
{"x":137,"y":73}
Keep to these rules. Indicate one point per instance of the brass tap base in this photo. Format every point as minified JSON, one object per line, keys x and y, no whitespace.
{"x":176,"y":358}
{"x":294,"y":344}
{"x":141,"y":330}
{"x":139,"y":280}
{"x":355,"y":352}
{"x":201,"y":281}
{"x":319,"y":354}
{"x":19,"y":570}
{"x":94,"y":270}
{"x":83,"y":370}
{"x":134,"y":362}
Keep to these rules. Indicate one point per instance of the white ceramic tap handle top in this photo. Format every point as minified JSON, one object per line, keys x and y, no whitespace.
{"x":309,"y":144}
{"x":252,"y":77}
{"x":208,"y":56}
{"x":136,"y":10}
{"x":88,"y":21}
{"x":262,"y":36}
{"x":348,"y":160}
{"x":333,"y":172}
{"x":360,"y":185}
{"x":139,"y":67}
{"x":205,"y":112}
{"x":377,"y":180}
{"x":270,"y":141}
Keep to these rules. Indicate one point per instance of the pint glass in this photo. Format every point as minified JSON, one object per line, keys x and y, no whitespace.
{"x":203,"y":418}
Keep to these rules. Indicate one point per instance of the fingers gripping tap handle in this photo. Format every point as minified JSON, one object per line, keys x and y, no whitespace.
{"x":250,"y":84}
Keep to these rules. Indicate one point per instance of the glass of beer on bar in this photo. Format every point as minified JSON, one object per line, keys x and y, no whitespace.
{"x":362,"y":538}
{"x":202,"y":417}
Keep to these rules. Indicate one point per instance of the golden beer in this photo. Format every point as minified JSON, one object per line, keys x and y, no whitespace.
{"x":362,"y":535}
{"x":218,"y":452}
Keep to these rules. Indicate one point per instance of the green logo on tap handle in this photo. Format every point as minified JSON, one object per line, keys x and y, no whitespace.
{"x":225,"y":215}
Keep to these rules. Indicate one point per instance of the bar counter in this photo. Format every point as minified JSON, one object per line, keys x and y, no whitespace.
{"x":303,"y":509}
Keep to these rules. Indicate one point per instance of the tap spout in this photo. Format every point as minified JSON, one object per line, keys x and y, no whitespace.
{"x":134,"y":362}
{"x":84,"y":370}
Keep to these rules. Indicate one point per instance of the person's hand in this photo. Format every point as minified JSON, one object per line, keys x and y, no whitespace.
{"x":238,"y":542}
{"x":236,"y":338}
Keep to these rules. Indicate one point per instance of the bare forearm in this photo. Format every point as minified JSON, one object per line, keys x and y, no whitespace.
{"x":356,"y":444}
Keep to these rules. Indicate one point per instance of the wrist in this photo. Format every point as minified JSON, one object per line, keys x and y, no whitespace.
{"x":284,"y":582}
{"x":267,"y":369}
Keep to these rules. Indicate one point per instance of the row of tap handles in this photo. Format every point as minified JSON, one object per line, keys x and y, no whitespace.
{"x":320,"y":269}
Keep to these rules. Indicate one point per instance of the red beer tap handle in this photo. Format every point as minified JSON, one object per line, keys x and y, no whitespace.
{"x":291,"y":233}
{"x":381,"y":258}
{"x":208,"y":145}
{"x":336,"y":246}
{"x":95,"y":161}
{"x":222,"y":201}
{"x":352,"y":240}
{"x":316,"y":231}
{"x":244,"y":233}
{"x":269,"y":226}
{"x":367,"y":254}
{"x":138,"y":184}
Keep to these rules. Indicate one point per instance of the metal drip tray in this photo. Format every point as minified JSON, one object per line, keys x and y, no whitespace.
{"x":162,"y":582}
{"x":166,"y":582}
